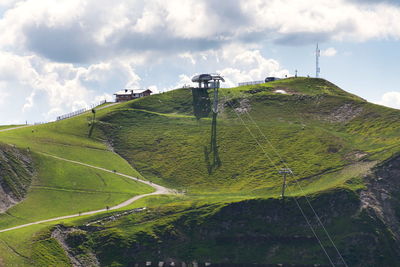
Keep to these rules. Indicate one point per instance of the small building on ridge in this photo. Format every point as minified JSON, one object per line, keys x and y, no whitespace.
{"x":129,"y":94}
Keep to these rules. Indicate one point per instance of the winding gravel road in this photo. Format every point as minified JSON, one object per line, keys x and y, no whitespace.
{"x":160,"y":190}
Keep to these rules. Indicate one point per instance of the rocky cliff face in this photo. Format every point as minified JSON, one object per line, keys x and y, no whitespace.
{"x":382,"y":196}
{"x":263,"y":231}
{"x":16,"y":172}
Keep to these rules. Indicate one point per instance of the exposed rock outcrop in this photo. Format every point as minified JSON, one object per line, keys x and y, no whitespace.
{"x":345,"y":113}
{"x":382,"y":195}
{"x":72,"y":236}
{"x":16,"y":172}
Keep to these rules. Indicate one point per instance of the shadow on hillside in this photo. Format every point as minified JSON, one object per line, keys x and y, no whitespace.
{"x":91,"y":128}
{"x":91,"y":123}
{"x":202,"y":109}
{"x":211,"y":155}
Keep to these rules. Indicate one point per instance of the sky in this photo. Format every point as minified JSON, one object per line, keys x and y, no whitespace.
{"x":60,"y":56}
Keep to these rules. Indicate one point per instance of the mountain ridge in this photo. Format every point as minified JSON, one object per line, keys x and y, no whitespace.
{"x":342,"y":150}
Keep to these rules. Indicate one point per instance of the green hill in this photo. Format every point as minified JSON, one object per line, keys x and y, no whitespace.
{"x":59,"y":187}
{"x":343,"y":151}
{"x":317,"y":129}
{"x":334,"y":142}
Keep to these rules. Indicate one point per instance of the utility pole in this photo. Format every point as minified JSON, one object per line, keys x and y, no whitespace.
{"x":317,"y":55}
{"x":284,"y":171}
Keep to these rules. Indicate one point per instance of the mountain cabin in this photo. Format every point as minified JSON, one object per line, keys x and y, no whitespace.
{"x":129,"y":94}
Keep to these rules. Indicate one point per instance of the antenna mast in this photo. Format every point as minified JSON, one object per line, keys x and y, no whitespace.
{"x":317,"y":55}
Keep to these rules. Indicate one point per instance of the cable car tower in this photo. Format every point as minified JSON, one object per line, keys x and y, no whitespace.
{"x":210,"y":81}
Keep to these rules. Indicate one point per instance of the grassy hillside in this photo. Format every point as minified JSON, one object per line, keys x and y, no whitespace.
{"x":337,"y":145}
{"x":4,"y":127}
{"x":242,"y":233}
{"x":329,"y":138}
{"x":63,"y":187}
{"x":60,"y":187}
{"x":317,"y":129}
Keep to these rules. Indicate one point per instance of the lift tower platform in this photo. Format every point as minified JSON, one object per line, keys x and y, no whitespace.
{"x":210,"y":81}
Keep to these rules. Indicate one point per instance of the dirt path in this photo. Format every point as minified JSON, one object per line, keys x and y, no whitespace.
{"x":160,"y":190}
{"x":107,"y":106}
{"x":14,"y":128}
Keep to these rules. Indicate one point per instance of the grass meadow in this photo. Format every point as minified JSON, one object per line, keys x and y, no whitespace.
{"x":330,"y":139}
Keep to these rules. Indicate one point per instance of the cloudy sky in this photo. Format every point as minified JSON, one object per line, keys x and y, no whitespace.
{"x":58,"y":56}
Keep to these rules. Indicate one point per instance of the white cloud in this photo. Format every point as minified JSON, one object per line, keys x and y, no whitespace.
{"x":189,"y":57}
{"x":3,"y":93}
{"x":184,"y":80}
{"x":60,"y":55}
{"x":390,"y":99}
{"x":247,"y":65}
{"x":6,"y":3}
{"x":236,"y":63}
{"x":154,"y":89}
{"x":329,"y":52}
{"x":37,"y":89}
{"x":77,"y":31}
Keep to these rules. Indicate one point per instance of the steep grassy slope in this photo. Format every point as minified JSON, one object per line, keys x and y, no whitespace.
{"x":316,"y":129}
{"x":343,"y":152}
{"x":62,"y":188}
{"x":65,"y":188}
{"x":3,"y":127}
{"x":329,"y":138}
{"x":71,"y":187}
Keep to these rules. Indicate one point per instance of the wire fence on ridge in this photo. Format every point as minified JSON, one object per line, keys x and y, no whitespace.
{"x":79,"y":111}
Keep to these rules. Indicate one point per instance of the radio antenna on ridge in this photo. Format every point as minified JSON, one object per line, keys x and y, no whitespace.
{"x":317,"y":55}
